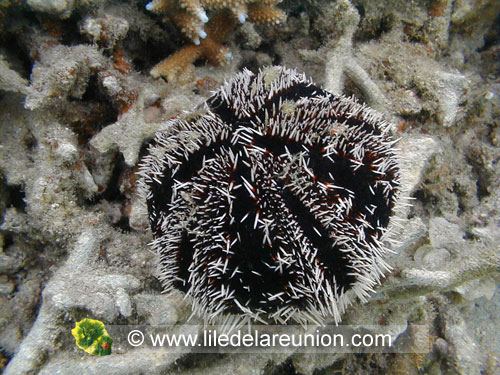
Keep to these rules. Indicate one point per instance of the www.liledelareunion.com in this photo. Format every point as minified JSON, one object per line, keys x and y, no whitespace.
{"x":276,"y":338}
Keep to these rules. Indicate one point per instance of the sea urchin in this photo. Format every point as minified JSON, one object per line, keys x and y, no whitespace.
{"x":274,"y":202}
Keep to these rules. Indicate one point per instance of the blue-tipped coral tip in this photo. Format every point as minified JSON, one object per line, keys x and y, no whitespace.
{"x":203,"y":17}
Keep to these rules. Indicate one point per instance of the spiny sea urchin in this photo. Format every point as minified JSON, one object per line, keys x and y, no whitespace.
{"x":273,"y":204}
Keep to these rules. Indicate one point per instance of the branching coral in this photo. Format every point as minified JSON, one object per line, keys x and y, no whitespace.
{"x":128,"y":133}
{"x":54,"y":80}
{"x":341,"y":62}
{"x":191,"y":17}
{"x":338,"y":56}
{"x":77,"y":284}
{"x":179,"y":66}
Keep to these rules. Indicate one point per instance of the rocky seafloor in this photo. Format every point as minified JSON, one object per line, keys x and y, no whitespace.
{"x":78,"y":108}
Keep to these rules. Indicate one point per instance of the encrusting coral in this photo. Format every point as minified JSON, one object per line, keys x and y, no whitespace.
{"x":191,"y":17}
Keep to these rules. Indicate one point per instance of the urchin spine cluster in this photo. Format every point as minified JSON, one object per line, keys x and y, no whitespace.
{"x":274,"y":203}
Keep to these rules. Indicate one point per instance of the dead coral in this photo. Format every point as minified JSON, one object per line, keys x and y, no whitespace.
{"x":10,"y":80}
{"x":128,"y":133}
{"x":54,"y":80}
{"x":61,"y":8}
{"x":46,"y":170}
{"x":105,"y":294}
{"x":341,"y":62}
{"x":338,"y":52}
{"x":105,"y":30}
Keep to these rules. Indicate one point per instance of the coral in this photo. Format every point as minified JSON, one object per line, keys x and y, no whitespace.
{"x":77,"y":284}
{"x":459,"y":345}
{"x":424,"y":146}
{"x":53,"y":80}
{"x":179,"y":66}
{"x":10,"y":80}
{"x":138,"y":122}
{"x":191,"y":15}
{"x":484,"y":262}
{"x":131,"y":123}
{"x":466,"y":261}
{"x":25,"y":143}
{"x":312,"y":174}
{"x":340,"y":60}
{"x":426,"y":79}
{"x":105,"y":30}
{"x":470,"y":21}
{"x":449,"y":89}
{"x":61,"y":8}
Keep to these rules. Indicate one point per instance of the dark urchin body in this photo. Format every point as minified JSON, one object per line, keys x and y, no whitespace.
{"x":273,"y":203}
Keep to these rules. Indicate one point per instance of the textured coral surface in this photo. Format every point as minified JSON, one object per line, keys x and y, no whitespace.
{"x":78,"y":108}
